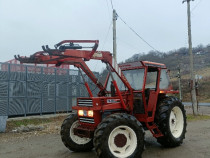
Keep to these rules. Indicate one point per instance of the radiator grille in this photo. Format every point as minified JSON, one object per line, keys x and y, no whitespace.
{"x":85,"y":102}
{"x":87,"y":120}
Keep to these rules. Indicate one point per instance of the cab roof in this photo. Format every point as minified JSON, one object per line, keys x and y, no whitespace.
{"x":140,"y":64}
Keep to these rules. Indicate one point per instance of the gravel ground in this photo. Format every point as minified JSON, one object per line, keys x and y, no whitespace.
{"x":47,"y":143}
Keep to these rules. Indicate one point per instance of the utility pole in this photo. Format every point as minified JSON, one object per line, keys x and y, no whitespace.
{"x":114,"y":39}
{"x":192,"y":80}
{"x":180,"y":86}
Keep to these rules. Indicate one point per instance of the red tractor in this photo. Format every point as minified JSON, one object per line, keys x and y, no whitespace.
{"x":132,"y":100}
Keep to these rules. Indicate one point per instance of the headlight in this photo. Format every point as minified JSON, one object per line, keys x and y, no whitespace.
{"x":80,"y":112}
{"x":90,"y":113}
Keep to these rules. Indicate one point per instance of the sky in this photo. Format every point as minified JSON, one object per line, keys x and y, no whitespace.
{"x":26,"y":25}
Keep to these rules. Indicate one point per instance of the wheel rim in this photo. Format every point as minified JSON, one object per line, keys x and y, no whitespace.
{"x":176,"y":122}
{"x":76,"y":138}
{"x":122,"y":141}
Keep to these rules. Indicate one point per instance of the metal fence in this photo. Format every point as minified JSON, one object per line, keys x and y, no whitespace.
{"x":27,"y":90}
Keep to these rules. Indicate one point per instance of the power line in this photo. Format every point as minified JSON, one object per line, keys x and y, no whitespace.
{"x":112,"y":4}
{"x":107,"y":34}
{"x":105,"y":40}
{"x":138,"y":34}
{"x":133,"y":30}
{"x":108,"y":7}
{"x":196,"y":6}
{"x":129,"y":45}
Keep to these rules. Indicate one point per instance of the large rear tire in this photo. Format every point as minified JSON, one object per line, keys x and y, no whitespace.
{"x":171,"y":120}
{"x":71,"y":141}
{"x":119,"y":135}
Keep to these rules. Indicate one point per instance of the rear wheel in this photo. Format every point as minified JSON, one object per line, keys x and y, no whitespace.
{"x":171,"y":119}
{"x":72,"y":141}
{"x":119,"y":135}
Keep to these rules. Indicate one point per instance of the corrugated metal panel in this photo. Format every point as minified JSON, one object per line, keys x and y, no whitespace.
{"x":17,"y":72}
{"x":34,"y":89}
{"x":17,"y":89}
{"x":61,"y":104}
{"x":3,"y":106}
{"x":34,"y":106}
{"x":4,"y":71}
{"x":73,"y":90}
{"x":34,"y":73}
{"x":3,"y":89}
{"x":30,"y":89}
{"x":17,"y":106}
{"x":61,"y":89}
{"x":48,"y":89}
{"x":48,"y":105}
{"x":62,"y":75}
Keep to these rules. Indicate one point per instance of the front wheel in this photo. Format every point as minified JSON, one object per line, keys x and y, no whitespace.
{"x":72,"y":141}
{"x":171,"y":119}
{"x":119,"y":135}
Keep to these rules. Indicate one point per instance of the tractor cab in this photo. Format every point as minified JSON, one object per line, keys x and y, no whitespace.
{"x":147,"y":80}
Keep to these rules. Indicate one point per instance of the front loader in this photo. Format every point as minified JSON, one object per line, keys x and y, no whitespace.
{"x":133,"y":99}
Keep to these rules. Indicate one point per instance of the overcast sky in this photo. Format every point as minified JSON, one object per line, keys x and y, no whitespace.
{"x":26,"y":25}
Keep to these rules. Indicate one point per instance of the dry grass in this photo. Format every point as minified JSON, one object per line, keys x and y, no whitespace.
{"x":203,"y":85}
{"x":197,"y":118}
{"x":35,"y":121}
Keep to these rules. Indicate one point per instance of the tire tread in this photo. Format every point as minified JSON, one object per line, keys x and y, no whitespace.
{"x":162,"y":117}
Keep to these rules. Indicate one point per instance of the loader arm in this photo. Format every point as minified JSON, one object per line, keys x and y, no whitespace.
{"x":70,"y":53}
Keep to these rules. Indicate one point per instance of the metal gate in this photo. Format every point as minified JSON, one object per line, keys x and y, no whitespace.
{"x":28,"y":90}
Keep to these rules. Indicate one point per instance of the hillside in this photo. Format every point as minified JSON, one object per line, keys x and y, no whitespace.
{"x":180,"y":58}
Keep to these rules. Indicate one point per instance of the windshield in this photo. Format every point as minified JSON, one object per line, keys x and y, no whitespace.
{"x":135,"y":78}
{"x":120,"y":84}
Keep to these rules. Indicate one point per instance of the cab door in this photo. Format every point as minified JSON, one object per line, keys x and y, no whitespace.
{"x":152,"y":89}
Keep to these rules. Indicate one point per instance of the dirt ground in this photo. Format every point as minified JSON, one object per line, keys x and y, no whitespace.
{"x":47,"y":143}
